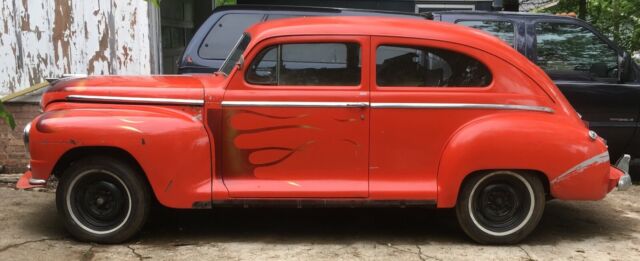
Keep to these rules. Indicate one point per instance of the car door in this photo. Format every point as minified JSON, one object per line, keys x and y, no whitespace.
{"x":295,"y":120}
{"x":419,"y":92}
{"x":584,"y":66}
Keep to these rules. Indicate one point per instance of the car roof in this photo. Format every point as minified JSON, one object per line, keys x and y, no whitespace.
{"x":374,"y":26}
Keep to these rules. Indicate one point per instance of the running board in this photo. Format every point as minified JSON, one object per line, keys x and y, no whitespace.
{"x":314,"y":203}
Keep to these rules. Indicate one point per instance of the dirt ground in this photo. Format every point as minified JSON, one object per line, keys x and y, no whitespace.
{"x":604,"y":230}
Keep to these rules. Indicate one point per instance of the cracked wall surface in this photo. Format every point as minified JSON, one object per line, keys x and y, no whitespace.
{"x":47,"y":38}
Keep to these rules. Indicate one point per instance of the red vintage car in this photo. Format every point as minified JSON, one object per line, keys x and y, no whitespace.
{"x":349,"y":111}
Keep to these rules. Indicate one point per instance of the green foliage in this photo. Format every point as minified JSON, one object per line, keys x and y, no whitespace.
{"x":7,"y":117}
{"x":618,"y":19}
{"x":225,"y":2}
{"x":155,"y":3}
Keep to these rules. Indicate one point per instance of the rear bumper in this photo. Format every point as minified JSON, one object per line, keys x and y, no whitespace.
{"x":620,"y":173}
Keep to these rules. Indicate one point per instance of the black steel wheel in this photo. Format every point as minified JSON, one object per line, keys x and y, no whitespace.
{"x":102,"y":200}
{"x":500,"y":207}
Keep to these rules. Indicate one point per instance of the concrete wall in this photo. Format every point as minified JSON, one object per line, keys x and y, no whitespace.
{"x":46,"y":38}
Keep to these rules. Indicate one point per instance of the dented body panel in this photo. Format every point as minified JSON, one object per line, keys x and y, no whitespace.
{"x":206,"y":139}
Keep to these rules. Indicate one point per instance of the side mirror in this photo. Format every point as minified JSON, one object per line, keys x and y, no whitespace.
{"x":624,"y":66}
{"x":240,"y":62}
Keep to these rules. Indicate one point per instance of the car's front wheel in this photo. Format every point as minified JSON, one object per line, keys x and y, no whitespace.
{"x":500,"y":207}
{"x":103,"y":200}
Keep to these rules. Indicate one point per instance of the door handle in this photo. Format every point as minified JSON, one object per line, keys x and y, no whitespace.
{"x":358,"y":104}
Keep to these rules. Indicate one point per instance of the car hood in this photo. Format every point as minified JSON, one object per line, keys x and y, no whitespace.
{"x":186,"y":88}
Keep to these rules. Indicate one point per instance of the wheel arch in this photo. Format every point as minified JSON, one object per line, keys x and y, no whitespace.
{"x":79,"y":153}
{"x":536,"y":173}
{"x":516,"y":141}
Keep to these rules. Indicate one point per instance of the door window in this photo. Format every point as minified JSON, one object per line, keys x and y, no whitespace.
{"x":501,"y":29}
{"x":572,"y":51}
{"x":308,"y":64}
{"x":428,"y":67}
{"x":225,"y":33}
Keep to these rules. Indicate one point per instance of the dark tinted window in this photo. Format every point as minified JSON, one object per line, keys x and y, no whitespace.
{"x":225,"y":33}
{"x":320,"y":64}
{"x":572,"y":51}
{"x":501,"y":29}
{"x":419,"y":66}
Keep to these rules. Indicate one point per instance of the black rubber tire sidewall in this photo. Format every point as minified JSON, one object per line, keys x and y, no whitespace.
{"x":475,"y":233}
{"x":135,"y":183}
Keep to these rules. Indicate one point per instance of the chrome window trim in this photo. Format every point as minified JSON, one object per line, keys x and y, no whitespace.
{"x":481,"y":106}
{"x":145,"y":100}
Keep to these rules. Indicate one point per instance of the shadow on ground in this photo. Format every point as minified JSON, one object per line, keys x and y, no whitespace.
{"x":563,"y":221}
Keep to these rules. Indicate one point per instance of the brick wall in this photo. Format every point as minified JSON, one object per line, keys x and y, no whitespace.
{"x":12,"y":153}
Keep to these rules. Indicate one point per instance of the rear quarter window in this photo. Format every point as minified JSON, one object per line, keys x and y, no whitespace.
{"x":412,"y":66}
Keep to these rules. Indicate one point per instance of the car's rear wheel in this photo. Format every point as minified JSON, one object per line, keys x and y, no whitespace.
{"x":103,"y":200}
{"x":500,"y":207}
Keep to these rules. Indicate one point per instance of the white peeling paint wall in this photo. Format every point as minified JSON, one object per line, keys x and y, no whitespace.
{"x":48,"y":38}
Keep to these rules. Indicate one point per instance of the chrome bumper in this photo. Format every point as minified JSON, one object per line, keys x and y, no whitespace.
{"x":622,"y":164}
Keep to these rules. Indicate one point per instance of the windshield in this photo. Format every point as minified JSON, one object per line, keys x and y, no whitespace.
{"x":235,"y":54}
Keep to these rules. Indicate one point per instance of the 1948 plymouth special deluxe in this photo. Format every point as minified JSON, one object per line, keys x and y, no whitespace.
{"x":332,"y":111}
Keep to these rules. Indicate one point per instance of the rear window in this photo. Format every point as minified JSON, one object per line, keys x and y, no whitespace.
{"x":224,"y":35}
{"x":501,"y":29}
{"x":428,"y":67}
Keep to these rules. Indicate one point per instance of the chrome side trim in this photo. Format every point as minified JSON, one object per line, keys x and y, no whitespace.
{"x":145,"y":100}
{"x":597,"y":159}
{"x":294,"y":104}
{"x":482,"y":106}
{"x":33,"y":181}
{"x":399,"y":105}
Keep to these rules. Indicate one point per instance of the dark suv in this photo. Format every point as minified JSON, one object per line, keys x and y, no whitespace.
{"x":597,"y":77}
{"x":214,"y":39}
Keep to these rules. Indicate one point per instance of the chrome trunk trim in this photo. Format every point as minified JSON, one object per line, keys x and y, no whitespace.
{"x":597,"y":159}
{"x":144,"y":100}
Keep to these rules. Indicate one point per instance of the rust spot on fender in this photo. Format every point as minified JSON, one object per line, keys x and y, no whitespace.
{"x":166,"y":189}
{"x":142,"y":141}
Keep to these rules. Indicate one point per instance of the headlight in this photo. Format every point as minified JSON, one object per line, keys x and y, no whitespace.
{"x":25,"y":137}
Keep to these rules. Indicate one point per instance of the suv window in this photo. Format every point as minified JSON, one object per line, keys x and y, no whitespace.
{"x":310,"y":64}
{"x":569,"y":50}
{"x":501,"y":29}
{"x":224,"y":34}
{"x":432,"y":67}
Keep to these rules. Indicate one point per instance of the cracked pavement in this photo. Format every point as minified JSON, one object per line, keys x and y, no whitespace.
{"x":608,"y":229}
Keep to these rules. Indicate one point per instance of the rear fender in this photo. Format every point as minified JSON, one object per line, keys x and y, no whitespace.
{"x":170,"y":145}
{"x":545,"y":143}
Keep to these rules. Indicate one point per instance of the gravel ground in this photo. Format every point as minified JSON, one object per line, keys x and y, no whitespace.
{"x":604,"y":230}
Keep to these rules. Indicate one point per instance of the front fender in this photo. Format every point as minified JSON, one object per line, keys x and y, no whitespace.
{"x":546,"y":143}
{"x":170,"y":145}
